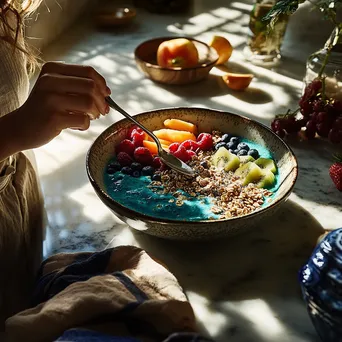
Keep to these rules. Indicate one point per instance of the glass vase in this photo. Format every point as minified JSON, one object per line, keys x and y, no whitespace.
{"x":327,"y":63}
{"x":264,"y":42}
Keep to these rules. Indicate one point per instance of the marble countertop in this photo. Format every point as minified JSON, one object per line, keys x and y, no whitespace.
{"x":244,"y":288}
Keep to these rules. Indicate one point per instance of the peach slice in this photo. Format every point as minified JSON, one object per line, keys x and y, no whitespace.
{"x":174,"y":135}
{"x":152,"y":146}
{"x":223,"y":48}
{"x":237,"y":81}
{"x":180,"y":125}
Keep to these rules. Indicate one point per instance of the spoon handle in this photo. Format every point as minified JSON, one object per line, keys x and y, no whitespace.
{"x":114,"y":106}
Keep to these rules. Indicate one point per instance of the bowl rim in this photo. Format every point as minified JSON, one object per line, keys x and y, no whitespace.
{"x":156,"y":66}
{"x":151,"y":219}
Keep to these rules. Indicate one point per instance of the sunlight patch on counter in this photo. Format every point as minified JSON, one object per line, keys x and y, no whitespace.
{"x":93,"y":208}
{"x":214,"y":322}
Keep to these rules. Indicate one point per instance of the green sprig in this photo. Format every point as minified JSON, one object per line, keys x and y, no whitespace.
{"x":328,"y":8}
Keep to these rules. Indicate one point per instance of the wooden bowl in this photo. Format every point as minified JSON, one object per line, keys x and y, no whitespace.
{"x":206,"y":120}
{"x":146,"y":59}
{"x":115,"y":17}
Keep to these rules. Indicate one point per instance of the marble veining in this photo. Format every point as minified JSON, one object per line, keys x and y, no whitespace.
{"x":242,"y":289}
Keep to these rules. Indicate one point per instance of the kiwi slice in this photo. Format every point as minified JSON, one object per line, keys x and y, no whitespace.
{"x":267,"y":180}
{"x":246,"y":159}
{"x":224,"y":160}
{"x":266,"y":164}
{"x":249,"y":173}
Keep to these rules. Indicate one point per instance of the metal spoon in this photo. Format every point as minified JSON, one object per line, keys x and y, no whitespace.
{"x":168,"y":158}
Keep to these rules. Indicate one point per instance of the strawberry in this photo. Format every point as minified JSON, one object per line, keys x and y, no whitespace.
{"x":335,"y":173}
{"x":143,"y":156}
{"x":124,"y":159}
{"x":205,"y":141}
{"x":125,"y":146}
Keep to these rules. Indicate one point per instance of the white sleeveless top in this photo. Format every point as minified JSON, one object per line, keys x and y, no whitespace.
{"x":21,"y":204}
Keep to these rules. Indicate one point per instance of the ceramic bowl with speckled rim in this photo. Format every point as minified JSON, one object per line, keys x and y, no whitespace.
{"x":207,"y":120}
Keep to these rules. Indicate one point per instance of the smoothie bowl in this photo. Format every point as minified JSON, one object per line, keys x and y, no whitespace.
{"x":244,"y":173}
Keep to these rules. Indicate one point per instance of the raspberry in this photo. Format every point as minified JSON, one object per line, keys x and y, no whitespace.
{"x":173,"y":147}
{"x":125,"y":146}
{"x":335,"y":173}
{"x":124,"y":159}
{"x":143,"y":156}
{"x":190,"y":145}
{"x":205,"y":141}
{"x":182,"y":154}
{"x":191,"y":153}
{"x":133,"y":128}
{"x":138,"y":138}
{"x":157,"y":164}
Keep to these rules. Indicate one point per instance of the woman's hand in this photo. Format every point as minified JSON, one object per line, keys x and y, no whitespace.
{"x":64,"y":96}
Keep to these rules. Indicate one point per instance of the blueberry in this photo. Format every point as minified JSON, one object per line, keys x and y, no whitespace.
{"x":254,"y":153}
{"x":136,"y":166}
{"x":147,"y":171}
{"x":243,"y":146}
{"x":126,"y":170}
{"x":242,"y":152}
{"x":226,"y":138}
{"x":231,"y":145}
{"x":232,"y":151}
{"x":220,"y":144}
{"x":234,"y":140}
{"x":113,"y":167}
{"x":156,"y":177}
{"x":136,"y":173}
{"x":204,"y":164}
{"x":236,"y":151}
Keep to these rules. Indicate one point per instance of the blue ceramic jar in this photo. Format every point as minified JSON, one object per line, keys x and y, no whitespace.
{"x":321,"y":283}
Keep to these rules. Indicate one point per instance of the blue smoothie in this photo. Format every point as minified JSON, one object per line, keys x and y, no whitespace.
{"x":136,"y":194}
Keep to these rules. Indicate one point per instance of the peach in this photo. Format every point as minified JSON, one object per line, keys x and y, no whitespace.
{"x":223,"y":48}
{"x":152,"y":146}
{"x":179,"y":52}
{"x":180,"y":125}
{"x":237,"y":81}
{"x":174,"y":135}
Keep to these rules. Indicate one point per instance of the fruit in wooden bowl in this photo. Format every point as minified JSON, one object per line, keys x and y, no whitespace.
{"x":187,"y":71}
{"x":179,"y":52}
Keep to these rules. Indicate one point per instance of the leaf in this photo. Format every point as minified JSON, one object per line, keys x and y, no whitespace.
{"x":282,"y":7}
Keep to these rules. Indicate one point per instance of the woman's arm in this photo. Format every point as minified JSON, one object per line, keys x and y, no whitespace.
{"x":64,"y":96}
{"x":9,"y":139}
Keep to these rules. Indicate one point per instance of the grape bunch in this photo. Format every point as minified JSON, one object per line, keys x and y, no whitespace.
{"x":318,"y":115}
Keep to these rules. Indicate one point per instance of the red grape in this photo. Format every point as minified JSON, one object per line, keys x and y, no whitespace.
{"x":323,"y":129}
{"x":322,"y":117}
{"x":318,"y":106}
{"x":306,"y":108}
{"x":334,"y":136}
{"x":310,"y":131}
{"x":316,"y":85}
{"x":290,"y":125}
{"x":276,"y":125}
{"x":338,"y":123}
{"x":313,"y":117}
{"x":338,"y":106}
{"x":281,"y":133}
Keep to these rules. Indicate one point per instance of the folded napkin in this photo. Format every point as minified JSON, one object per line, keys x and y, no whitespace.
{"x":119,"y":292}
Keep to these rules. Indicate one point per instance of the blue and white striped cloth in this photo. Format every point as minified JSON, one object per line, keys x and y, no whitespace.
{"x":117,"y":295}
